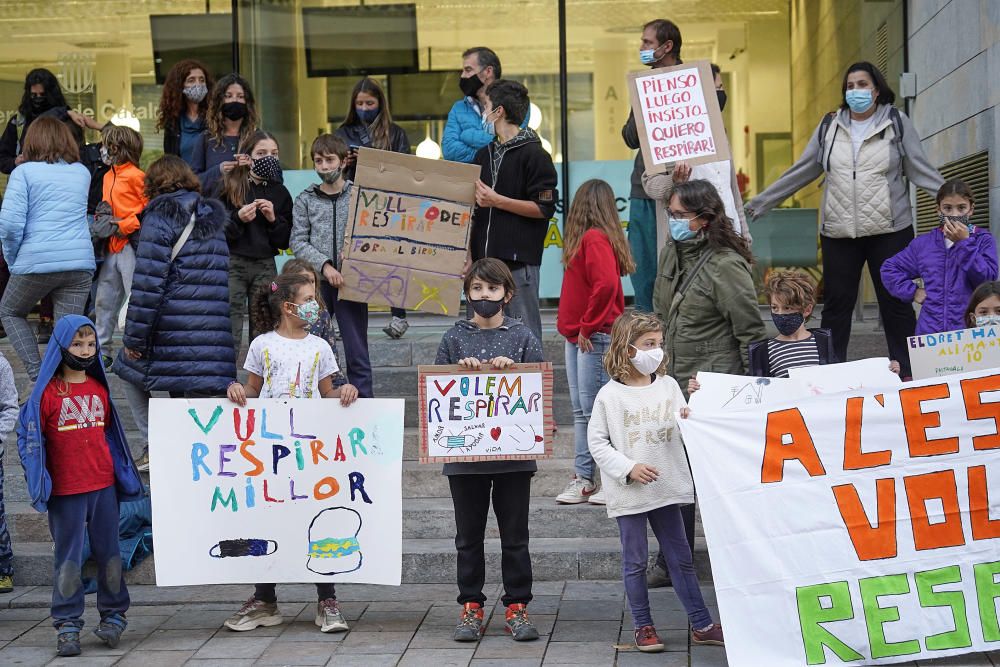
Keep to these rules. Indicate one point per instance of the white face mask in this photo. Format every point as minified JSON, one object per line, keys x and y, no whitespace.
{"x":987,"y":320}
{"x":647,"y":361}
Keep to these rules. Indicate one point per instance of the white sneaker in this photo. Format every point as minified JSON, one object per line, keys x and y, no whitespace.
{"x":597,"y":498}
{"x":254,"y":614}
{"x":329,"y":618}
{"x":577,"y":491}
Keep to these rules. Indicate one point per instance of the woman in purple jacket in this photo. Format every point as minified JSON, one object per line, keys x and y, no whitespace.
{"x":952,"y":260}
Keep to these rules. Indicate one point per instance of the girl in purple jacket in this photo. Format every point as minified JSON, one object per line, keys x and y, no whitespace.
{"x":951,"y":260}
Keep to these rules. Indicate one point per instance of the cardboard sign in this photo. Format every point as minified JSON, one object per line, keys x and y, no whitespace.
{"x":859,"y":528}
{"x":936,"y":355}
{"x":408,"y":231}
{"x":677,"y":115}
{"x":287,"y":491}
{"x":485,"y":415}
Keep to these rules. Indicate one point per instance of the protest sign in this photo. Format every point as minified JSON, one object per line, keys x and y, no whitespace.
{"x":847,"y":376}
{"x":277,"y":491}
{"x":485,"y":415}
{"x":861,"y":527}
{"x":720,"y":391}
{"x":950,"y":352}
{"x":408,"y":231}
{"x":677,"y":116}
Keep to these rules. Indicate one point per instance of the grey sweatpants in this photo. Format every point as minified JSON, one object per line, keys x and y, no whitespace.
{"x":114,"y":283}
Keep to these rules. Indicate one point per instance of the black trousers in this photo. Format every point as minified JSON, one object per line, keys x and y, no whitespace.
{"x":843,"y":260}
{"x":471,"y":494}
{"x":268,"y":592}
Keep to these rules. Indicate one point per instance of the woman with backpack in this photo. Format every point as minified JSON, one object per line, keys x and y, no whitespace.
{"x":865,"y":151}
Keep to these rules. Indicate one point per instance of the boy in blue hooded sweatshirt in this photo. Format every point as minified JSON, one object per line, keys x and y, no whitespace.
{"x":78,"y":467}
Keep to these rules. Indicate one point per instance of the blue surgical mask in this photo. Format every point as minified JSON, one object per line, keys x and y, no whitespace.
{"x":680,"y":229}
{"x":859,"y":99}
{"x":367,"y":116}
{"x":647,"y":56}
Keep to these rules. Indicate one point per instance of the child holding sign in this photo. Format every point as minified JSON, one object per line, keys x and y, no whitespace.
{"x":289,"y":362}
{"x":984,"y":306}
{"x":492,"y":338}
{"x":644,"y":472}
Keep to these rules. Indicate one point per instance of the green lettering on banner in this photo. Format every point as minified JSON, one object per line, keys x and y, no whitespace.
{"x":812,"y":614}
{"x":926,"y":581}
{"x":226,"y":501}
{"x":987,"y":592}
{"x":875,"y":616}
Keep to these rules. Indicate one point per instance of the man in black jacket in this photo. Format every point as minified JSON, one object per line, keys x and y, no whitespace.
{"x":515,"y":197}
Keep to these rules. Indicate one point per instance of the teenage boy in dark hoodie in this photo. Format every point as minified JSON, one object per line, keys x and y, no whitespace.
{"x":515,"y":197}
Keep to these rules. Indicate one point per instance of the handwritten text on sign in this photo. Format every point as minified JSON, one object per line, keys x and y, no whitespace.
{"x":950,"y":352}
{"x":859,"y":527}
{"x":281,"y":490}
{"x":676,"y":116}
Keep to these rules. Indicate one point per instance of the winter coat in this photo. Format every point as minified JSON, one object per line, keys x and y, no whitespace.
{"x":760,"y":361}
{"x":260,"y":239}
{"x":178,"y":315}
{"x":125,"y":189}
{"x":463,"y":133}
{"x":950,"y":275}
{"x":318,"y":223}
{"x":714,"y":323}
{"x":863,"y":197}
{"x":30,"y":432}
{"x":357,"y":135}
{"x":520,"y":169}
{"x":43,"y":222}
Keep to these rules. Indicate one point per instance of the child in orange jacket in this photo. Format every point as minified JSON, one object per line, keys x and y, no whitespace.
{"x":124,"y":190}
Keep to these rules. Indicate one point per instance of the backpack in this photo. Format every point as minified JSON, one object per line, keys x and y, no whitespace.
{"x":824,"y":128}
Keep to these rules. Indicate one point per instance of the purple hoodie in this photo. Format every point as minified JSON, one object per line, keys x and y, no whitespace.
{"x":950,"y":275}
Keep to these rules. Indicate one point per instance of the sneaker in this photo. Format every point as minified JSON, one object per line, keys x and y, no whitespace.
{"x":470,"y":624}
{"x":396,"y":328}
{"x":597,"y":498}
{"x":111,"y":628}
{"x":253,"y":614}
{"x":44,"y":332}
{"x":68,"y":643}
{"x":647,"y":641}
{"x":328,"y":616}
{"x":577,"y":491}
{"x":657,"y":577}
{"x":712,"y":635}
{"x":142,"y":463}
{"x":108,"y":362}
{"x":518,"y":625}
{"x":6,"y":583}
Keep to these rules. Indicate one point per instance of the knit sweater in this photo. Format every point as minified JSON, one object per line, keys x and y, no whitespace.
{"x":632,"y":425}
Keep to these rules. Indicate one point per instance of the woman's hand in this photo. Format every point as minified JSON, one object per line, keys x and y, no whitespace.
{"x":584,"y":344}
{"x":693,"y":384}
{"x":954,"y":231}
{"x":471,"y":363}
{"x":248,"y":212}
{"x":237,"y":394}
{"x":502,"y":362}
{"x":266,"y":208}
{"x":643,"y":473}
{"x":348,"y":394}
{"x":681,"y":173}
{"x":332,"y":275}
{"x":132,"y":354}
{"x":920,"y":295}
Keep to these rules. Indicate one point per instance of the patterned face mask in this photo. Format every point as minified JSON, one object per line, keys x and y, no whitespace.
{"x":307,"y":312}
{"x":267,"y":168}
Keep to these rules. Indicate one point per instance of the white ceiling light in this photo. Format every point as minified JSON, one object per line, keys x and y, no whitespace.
{"x":430,"y":149}
{"x":546,"y":145}
{"x":125,"y":118}
{"x":534,"y":117}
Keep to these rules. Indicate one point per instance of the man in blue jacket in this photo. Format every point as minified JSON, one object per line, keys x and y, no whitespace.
{"x":464,"y":133}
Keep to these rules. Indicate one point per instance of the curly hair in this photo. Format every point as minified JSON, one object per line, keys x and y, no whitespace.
{"x":627,"y":329}
{"x":214,"y":120}
{"x":170,"y":174}
{"x":791,"y":288}
{"x":701,"y":197}
{"x":50,"y":85}
{"x":303,"y":267}
{"x":172,"y":100}
{"x":267,"y":301}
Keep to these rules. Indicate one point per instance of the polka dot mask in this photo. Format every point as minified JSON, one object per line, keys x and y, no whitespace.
{"x":267,"y":168}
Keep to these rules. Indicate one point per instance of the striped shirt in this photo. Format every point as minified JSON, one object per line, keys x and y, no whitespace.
{"x":784,"y":355}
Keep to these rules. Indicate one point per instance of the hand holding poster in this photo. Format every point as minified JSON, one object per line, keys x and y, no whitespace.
{"x":677,"y":115}
{"x":408,"y":231}
{"x":951,"y":352}
{"x":485,"y":415}
{"x":279,"y":491}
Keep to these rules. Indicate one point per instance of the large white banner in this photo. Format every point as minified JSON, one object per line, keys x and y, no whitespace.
{"x":855,"y":528}
{"x":278,"y":491}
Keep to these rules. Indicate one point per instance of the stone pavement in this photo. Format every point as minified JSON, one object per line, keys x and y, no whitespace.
{"x":582,"y":623}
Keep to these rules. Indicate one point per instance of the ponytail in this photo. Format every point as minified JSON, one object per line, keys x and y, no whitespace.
{"x":267,"y":301}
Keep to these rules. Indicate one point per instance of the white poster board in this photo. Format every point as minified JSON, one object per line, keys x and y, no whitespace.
{"x":848,"y":376}
{"x":285,"y":491}
{"x":950,"y":352}
{"x":728,"y":393}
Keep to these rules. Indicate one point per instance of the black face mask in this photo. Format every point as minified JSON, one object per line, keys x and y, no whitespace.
{"x":721,"y":94}
{"x":486,"y":308}
{"x":234,"y":110}
{"x":39,"y":103}
{"x":787,"y":324}
{"x":470,"y":85}
{"x":76,"y":363}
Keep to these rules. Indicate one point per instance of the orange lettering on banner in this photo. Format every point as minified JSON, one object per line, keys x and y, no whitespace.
{"x":972,"y":391}
{"x":800,"y":447}
{"x":871,"y":542}
{"x":983,"y":528}
{"x":917,"y":421}
{"x":854,"y":458}
{"x":936,"y":485}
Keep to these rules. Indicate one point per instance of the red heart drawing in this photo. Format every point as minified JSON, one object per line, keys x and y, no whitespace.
{"x":495,"y":433}
{"x":538,"y":438}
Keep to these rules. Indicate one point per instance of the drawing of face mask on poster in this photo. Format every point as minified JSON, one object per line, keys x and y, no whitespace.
{"x":280,"y":491}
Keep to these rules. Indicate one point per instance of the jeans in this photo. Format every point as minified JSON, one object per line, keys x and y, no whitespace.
{"x":113,"y":286}
{"x":586,"y":375}
{"x":669,"y":530}
{"x":511,"y":492}
{"x":524,"y":305}
{"x":843,"y":260}
{"x":246,"y":277}
{"x":352,"y":318}
{"x":642,"y":239}
{"x":268,"y":592}
{"x":688,"y":516}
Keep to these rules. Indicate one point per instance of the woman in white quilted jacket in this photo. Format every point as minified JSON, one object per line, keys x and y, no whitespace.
{"x":864,"y":150}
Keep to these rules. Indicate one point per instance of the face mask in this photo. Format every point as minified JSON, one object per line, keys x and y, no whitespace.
{"x":960,"y":219}
{"x":367,"y":116}
{"x":489,"y":126}
{"x":647,"y":361}
{"x":267,"y":168}
{"x":987,"y":320}
{"x":486,"y":308}
{"x":680,"y":229}
{"x":76,"y":363}
{"x":39,"y":103}
{"x":859,"y":100}
{"x":106,"y":157}
{"x":647,"y":56}
{"x":721,"y":94}
{"x":470,"y":85}
{"x":330,"y":177}
{"x":234,"y":110}
{"x":787,"y":324}
{"x":308,"y":312}
{"x":196,"y":93}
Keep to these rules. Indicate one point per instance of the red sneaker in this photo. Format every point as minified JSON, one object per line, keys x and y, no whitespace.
{"x":711,"y":635}
{"x":647,"y":641}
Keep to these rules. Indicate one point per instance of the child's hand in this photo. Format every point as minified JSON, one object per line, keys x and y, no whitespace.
{"x":502,"y":362}
{"x":693,"y":384}
{"x":919,"y":295}
{"x":471,"y":363}
{"x":237,"y":394}
{"x":643,"y":473}
{"x":685,"y":412}
{"x":894,"y":366}
{"x":348,"y":394}
{"x":954,"y":231}
{"x":248,"y":213}
{"x":266,"y":208}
